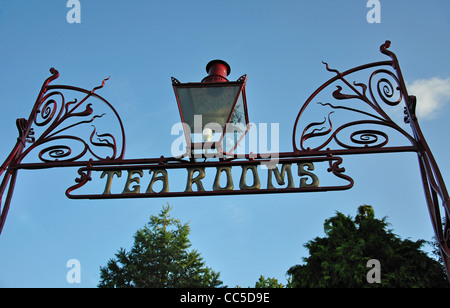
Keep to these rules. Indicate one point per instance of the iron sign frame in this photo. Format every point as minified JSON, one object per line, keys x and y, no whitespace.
{"x":385,"y":87}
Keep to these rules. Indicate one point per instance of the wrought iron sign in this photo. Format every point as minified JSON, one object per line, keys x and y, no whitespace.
{"x":348,"y":114}
{"x":247,"y":182}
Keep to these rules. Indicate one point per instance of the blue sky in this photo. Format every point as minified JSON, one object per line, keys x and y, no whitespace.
{"x":280,"y":46}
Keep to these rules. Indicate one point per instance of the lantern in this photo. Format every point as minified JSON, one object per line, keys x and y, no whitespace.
{"x":213,"y":111}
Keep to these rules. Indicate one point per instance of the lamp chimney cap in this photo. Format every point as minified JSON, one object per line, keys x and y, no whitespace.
{"x":218,"y":63}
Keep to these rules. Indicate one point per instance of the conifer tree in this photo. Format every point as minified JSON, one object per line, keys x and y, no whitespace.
{"x":340,"y":258}
{"x":159,"y":258}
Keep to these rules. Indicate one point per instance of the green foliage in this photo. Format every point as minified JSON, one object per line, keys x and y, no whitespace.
{"x":339,"y":259}
{"x":268,"y":283}
{"x":159,"y":258}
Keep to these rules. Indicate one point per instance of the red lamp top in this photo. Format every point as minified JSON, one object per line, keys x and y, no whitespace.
{"x":217,"y":71}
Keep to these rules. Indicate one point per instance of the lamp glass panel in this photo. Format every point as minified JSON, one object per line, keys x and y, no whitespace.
{"x":213,"y":103}
{"x":237,"y":127}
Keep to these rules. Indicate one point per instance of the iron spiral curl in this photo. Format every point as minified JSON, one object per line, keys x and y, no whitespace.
{"x":56,"y":116}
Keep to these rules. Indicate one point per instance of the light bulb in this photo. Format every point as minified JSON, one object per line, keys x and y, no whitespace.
{"x":207,"y":134}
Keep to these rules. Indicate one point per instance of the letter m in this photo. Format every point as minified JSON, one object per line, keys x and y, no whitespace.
{"x":285,"y":168}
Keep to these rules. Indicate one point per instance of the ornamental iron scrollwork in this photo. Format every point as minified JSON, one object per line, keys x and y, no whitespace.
{"x":68,"y":115}
{"x":357,"y":111}
{"x":366,"y":93}
{"x":361,"y":96}
{"x":62,"y":131}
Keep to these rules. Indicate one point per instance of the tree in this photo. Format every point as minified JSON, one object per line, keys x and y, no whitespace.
{"x":340,"y":259}
{"x":159,"y":258}
{"x":268,"y":283}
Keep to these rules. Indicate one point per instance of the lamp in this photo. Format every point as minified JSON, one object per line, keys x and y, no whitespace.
{"x":213,"y":110}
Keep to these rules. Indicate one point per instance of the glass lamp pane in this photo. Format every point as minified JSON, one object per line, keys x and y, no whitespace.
{"x":238,"y":115}
{"x":237,"y":127}
{"x":213,"y":103}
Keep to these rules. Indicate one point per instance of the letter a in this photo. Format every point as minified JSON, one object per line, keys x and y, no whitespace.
{"x":374,"y":15}
{"x":74,"y":274}
{"x":374,"y":275}
{"x":74,"y":14}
